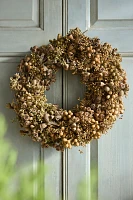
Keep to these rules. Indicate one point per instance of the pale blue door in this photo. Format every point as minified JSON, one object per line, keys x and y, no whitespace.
{"x":25,"y":23}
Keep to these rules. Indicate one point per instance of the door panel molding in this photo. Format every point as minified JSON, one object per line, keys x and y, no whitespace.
{"x":20,"y":39}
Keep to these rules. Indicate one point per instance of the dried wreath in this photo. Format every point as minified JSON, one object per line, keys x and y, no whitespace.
{"x":100,"y":70}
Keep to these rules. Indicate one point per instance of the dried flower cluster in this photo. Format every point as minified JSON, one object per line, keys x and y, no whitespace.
{"x":100,"y":70}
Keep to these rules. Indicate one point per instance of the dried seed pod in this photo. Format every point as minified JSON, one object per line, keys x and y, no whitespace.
{"x":66,"y":66}
{"x":108,"y":96}
{"x":70,"y":37}
{"x":43,"y":125}
{"x":46,"y":117}
{"x":61,"y":133}
{"x":32,"y":126}
{"x":121,"y":93}
{"x":107,"y":89}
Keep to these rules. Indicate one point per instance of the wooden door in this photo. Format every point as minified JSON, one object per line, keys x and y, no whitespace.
{"x":32,"y":22}
{"x":111,"y":156}
{"x":25,"y":23}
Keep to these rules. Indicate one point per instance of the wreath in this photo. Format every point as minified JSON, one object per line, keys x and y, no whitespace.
{"x":99,"y":68}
